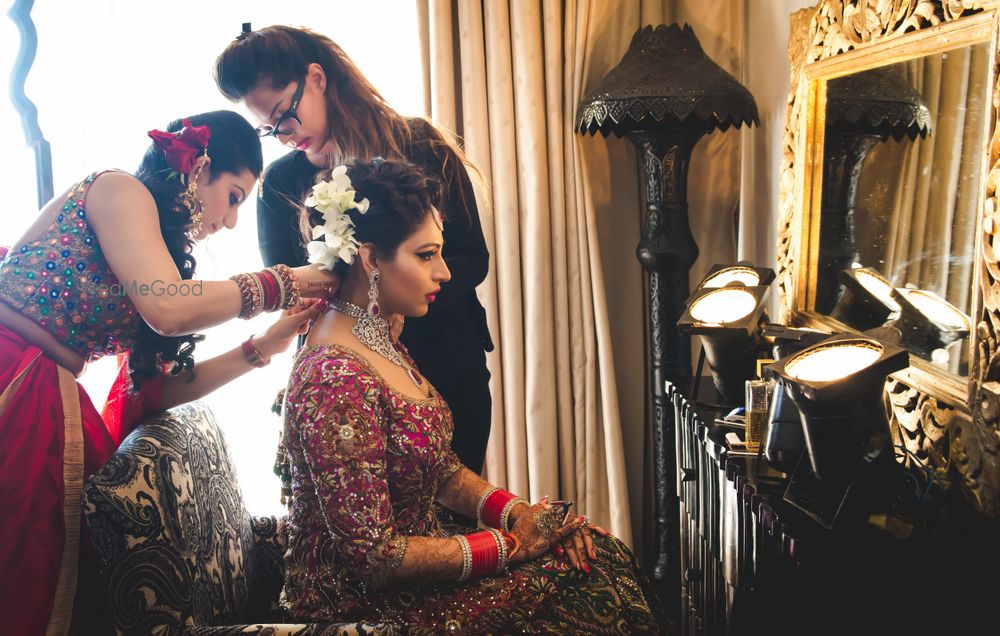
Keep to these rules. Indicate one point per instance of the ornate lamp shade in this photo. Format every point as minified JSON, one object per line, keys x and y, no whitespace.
{"x":664,"y":95}
{"x":862,"y":110}
{"x":665,"y":80}
{"x":878,"y":101}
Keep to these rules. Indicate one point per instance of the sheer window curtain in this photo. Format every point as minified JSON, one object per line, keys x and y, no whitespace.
{"x":107,"y":71}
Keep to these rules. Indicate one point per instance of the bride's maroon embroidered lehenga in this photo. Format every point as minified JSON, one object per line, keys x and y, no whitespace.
{"x":364,"y":464}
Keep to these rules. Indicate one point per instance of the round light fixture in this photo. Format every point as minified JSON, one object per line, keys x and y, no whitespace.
{"x":722,"y":306}
{"x":936,"y":308}
{"x":833,"y":362}
{"x":878,"y":286}
{"x":743,"y":275}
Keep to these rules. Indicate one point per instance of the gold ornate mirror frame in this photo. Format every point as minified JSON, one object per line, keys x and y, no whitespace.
{"x":947,"y":423}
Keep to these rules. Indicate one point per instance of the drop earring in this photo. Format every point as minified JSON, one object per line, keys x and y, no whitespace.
{"x":373,"y":308}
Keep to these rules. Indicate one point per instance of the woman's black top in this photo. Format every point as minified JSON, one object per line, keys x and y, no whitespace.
{"x":448,"y":343}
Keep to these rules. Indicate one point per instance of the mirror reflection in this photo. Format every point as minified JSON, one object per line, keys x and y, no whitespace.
{"x":902,"y":167}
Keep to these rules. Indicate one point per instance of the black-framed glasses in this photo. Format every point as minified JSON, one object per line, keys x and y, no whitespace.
{"x":290,"y":113}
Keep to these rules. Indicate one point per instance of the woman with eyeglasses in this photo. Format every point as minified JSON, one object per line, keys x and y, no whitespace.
{"x":106,"y":269}
{"x":308,"y":94}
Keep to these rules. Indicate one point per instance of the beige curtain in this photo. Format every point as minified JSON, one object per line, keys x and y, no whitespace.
{"x":929,"y":187}
{"x":565,"y":293}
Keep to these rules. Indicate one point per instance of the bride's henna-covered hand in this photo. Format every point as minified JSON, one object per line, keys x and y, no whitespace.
{"x":541,"y":528}
{"x":578,"y":548}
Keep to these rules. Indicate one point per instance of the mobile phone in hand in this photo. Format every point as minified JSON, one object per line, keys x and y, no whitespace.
{"x":565,"y":505}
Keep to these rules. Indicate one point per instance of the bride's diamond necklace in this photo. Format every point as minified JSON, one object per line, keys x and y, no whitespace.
{"x":373,"y":332}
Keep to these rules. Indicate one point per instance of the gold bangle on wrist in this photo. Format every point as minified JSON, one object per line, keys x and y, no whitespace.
{"x":466,"y":557}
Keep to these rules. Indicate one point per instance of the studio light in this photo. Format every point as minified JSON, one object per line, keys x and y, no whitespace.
{"x":837,"y":386}
{"x":867,"y":300}
{"x":784,"y":443}
{"x":728,"y":320}
{"x":742,"y":273}
{"x":928,"y":322}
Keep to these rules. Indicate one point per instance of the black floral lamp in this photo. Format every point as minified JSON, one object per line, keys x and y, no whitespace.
{"x":664,"y":94}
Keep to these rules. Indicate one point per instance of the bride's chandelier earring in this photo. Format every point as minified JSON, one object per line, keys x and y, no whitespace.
{"x":373,"y":278}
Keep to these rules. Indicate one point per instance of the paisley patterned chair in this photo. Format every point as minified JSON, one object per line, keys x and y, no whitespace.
{"x":177,"y":549}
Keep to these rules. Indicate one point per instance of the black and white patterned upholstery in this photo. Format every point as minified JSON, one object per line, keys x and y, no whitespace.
{"x":177,"y":549}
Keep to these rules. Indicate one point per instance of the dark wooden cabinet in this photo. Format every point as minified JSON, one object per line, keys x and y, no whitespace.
{"x":750,"y":563}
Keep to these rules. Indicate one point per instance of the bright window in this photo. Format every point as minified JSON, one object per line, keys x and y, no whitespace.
{"x":108,"y":71}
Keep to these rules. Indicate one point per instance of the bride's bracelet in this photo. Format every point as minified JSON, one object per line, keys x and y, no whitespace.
{"x":485,"y":552}
{"x":494,"y":507}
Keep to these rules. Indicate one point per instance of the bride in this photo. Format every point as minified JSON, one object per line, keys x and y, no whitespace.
{"x":365,"y":457}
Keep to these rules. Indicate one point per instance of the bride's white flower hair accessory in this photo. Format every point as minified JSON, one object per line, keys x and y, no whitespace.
{"x":334,"y":240}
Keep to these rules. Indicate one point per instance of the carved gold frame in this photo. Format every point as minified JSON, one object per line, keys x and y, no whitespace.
{"x":947,"y":423}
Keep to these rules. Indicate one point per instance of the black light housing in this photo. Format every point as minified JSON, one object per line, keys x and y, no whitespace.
{"x":837,"y":386}
{"x":740,"y":273}
{"x":728,"y":320}
{"x":784,"y":443}
{"x":867,"y":299}
{"x":928,"y":322}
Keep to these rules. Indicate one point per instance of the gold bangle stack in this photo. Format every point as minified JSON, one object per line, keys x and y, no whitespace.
{"x":291,"y":292}
{"x":252,"y":290}
{"x":251,"y":295}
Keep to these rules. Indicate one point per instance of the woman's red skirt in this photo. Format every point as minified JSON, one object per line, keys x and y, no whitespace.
{"x":51,"y":440}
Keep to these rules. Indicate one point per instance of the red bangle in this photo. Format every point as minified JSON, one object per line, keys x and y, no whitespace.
{"x":493,"y":507}
{"x":485,"y":553}
{"x":252,"y":355}
{"x":272,"y":293}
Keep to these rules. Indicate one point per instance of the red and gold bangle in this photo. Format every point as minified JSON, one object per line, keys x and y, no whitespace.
{"x":252,"y":354}
{"x":482,"y":502}
{"x":271,"y":297}
{"x":485,"y":547}
{"x":289,"y":284}
{"x":250,"y":295}
{"x":495,"y":506}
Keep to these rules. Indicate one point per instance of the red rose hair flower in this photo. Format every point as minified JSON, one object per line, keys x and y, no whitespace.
{"x":181,"y":149}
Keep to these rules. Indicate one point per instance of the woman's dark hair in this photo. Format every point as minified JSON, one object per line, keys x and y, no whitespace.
{"x":232,"y":147}
{"x":399,"y":197}
{"x":359,"y":119}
